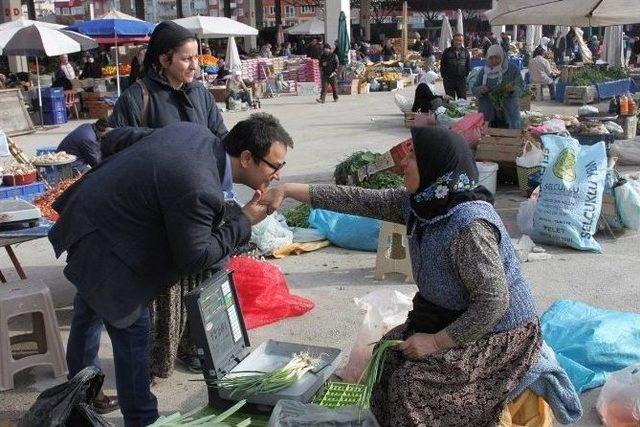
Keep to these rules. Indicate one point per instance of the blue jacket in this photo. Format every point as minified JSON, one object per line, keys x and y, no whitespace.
{"x":145,"y":217}
{"x":82,"y":143}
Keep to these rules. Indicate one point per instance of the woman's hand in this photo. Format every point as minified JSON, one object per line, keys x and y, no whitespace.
{"x":418,"y":346}
{"x":484,"y":89}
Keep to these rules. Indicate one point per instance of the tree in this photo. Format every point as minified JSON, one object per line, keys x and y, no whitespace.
{"x":179,"y":13}
{"x":140,"y":9}
{"x":380,"y":9}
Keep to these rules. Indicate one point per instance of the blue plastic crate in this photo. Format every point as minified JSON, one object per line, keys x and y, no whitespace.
{"x":52,"y":92}
{"x":26,"y":192}
{"x":54,"y":117}
{"x":49,"y":149}
{"x":54,"y":104}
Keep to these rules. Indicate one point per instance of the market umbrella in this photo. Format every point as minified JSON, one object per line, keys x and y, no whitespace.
{"x":311,"y":27}
{"x":115,"y":24}
{"x":445,"y":34}
{"x":613,"y":46}
{"x":459,"y":22}
{"x":8,"y":29}
{"x":233,"y":62}
{"x":578,"y":13}
{"x":343,"y":40}
{"x":216,"y":27}
{"x":38,"y":41}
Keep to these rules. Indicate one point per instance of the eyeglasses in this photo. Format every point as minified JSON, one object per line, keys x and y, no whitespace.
{"x":275,"y":166}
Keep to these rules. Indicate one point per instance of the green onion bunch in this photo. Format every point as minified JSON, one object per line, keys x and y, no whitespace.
{"x":373,"y":370}
{"x":192,"y":419}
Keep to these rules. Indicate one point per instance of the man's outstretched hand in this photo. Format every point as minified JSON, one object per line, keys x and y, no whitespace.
{"x":255,"y":210}
{"x":273,"y":198}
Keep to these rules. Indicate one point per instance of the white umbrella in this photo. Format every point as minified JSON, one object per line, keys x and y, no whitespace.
{"x":446,"y":35}
{"x":233,"y":57}
{"x":116,"y":14}
{"x":38,"y":41}
{"x":613,"y":46}
{"x":311,"y":27}
{"x":578,"y":13}
{"x":216,"y":27}
{"x":459,"y":22}
{"x":8,"y":29}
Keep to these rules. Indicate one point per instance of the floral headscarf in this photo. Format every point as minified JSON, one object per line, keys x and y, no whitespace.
{"x":448,"y":172}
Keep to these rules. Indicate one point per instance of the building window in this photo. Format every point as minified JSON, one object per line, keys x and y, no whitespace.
{"x":290,"y":12}
{"x":308,"y":9}
{"x":270,"y":10}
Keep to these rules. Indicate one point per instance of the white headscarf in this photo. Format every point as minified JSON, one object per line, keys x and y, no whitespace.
{"x":495,"y":73}
{"x":428,"y":78}
{"x":544,"y":43}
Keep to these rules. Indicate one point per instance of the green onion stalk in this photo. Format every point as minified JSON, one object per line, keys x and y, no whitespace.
{"x":373,"y":370}
{"x":249,"y":383}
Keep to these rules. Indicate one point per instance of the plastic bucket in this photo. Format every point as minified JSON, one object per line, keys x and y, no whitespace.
{"x":488,"y":175}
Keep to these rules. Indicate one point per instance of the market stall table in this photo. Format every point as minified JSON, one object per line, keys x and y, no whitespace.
{"x":14,"y":237}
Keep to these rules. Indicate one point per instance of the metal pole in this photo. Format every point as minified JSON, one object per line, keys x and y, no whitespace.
{"x":405,"y":29}
{"x":39,"y":91}
{"x":117,"y":67}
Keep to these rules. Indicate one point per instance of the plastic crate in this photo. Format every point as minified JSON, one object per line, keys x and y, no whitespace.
{"x":54,"y":104}
{"x":337,"y":394}
{"x":49,"y":149}
{"x":52,"y":92}
{"x":54,"y":117}
{"x":26,"y":192}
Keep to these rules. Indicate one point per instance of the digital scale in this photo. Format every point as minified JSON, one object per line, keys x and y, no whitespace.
{"x":222,"y":344}
{"x":17,"y":212}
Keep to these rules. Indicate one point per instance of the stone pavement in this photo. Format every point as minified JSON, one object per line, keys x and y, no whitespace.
{"x":332,"y":277}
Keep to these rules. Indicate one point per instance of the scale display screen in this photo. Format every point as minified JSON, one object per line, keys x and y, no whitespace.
{"x":220,"y":319}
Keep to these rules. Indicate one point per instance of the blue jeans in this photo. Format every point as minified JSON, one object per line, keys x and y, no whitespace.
{"x":131,"y":359}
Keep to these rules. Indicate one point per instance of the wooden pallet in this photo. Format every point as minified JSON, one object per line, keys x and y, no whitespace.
{"x":501,"y":145}
{"x":580,"y":94}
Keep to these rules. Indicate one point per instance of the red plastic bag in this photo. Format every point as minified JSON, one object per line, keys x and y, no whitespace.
{"x":264,"y":293}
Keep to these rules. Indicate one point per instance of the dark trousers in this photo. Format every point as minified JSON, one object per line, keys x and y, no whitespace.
{"x":131,"y":358}
{"x":456,"y":87}
{"x":328,"y":81}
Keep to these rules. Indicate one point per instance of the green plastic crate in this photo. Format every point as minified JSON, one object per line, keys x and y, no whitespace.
{"x":337,"y":394}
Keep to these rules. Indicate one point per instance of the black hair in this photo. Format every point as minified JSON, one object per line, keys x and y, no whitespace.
{"x":101,"y":125}
{"x":256,"y":134}
{"x":166,"y":38}
{"x":538,"y":51}
{"x":327,"y":46}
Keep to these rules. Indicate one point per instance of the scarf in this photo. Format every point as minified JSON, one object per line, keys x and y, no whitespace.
{"x":166,"y":36}
{"x":495,"y":73}
{"x":448,"y":173}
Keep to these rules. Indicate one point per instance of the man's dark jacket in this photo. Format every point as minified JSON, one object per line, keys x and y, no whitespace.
{"x":455,"y":63}
{"x":145,"y":217}
{"x":328,"y":64}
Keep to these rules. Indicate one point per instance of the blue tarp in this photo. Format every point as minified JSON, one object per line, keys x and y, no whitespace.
{"x":347,"y":231}
{"x":591,"y":342}
{"x":613,"y":88}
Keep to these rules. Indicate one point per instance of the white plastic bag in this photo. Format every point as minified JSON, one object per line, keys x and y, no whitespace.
{"x":531,"y":156}
{"x":554,"y":126}
{"x":403,"y":103}
{"x":525,"y":215}
{"x":619,"y":400}
{"x":627,"y":152}
{"x":614,"y":128}
{"x":628,"y":204}
{"x":384,"y":310}
{"x":271,"y":233}
{"x":588,"y":110}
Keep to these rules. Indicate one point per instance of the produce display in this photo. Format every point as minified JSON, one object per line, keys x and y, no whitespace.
{"x":500,"y":94}
{"x":125,"y":69}
{"x":298,"y":216}
{"x":108,"y":71}
{"x":208,"y":61}
{"x":45,"y":201}
{"x":587,"y":75}
{"x":54,"y":158}
{"x":194,"y":418}
{"x":247,"y":384}
{"x":18,"y":169}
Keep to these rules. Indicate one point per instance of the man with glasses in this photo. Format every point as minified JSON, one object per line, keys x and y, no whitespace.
{"x":151,"y":212}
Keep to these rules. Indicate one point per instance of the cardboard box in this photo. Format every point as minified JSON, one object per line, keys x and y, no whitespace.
{"x":364,"y":88}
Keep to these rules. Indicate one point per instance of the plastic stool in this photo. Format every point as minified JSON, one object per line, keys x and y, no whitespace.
{"x":393,"y":253}
{"x":29,"y":298}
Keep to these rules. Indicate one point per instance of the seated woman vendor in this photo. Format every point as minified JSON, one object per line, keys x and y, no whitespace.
{"x":498,"y":88}
{"x":425,"y":99}
{"x":237,"y":90}
{"x":473,"y":334}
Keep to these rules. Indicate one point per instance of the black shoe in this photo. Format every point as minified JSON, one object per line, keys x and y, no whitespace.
{"x":321,"y":101}
{"x":335,"y":99}
{"x":192,"y":363}
{"x":104,"y":404}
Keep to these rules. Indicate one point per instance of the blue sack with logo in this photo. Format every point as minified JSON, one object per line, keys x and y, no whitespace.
{"x":347,"y":231}
{"x":571,"y":191}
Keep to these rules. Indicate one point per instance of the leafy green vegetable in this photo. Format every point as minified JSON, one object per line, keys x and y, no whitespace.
{"x":373,"y":370}
{"x":383,"y":180}
{"x":589,"y":75}
{"x":499,"y":95}
{"x":348,"y":167}
{"x":298,"y":216}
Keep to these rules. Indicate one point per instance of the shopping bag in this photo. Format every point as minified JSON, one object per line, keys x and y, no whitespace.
{"x":628,"y":204}
{"x":619,"y":400}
